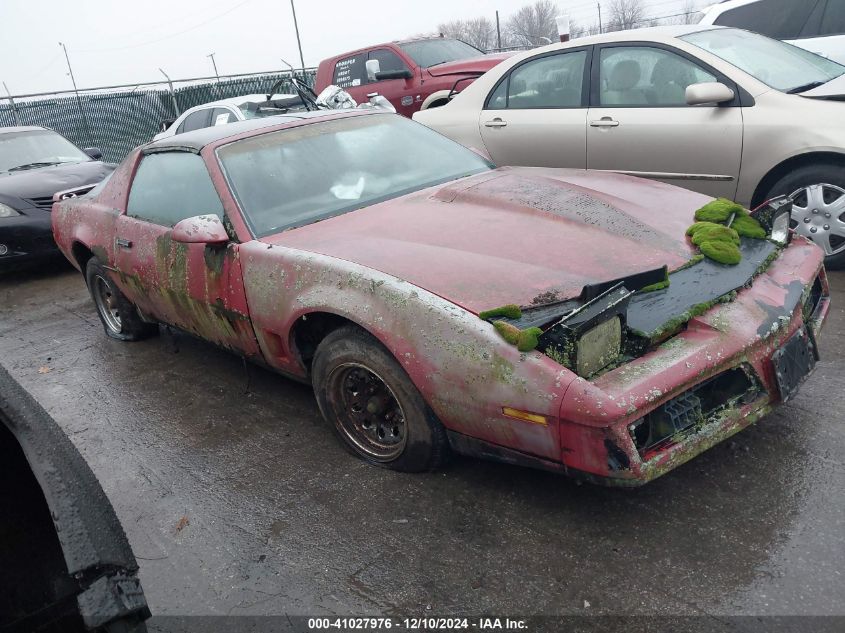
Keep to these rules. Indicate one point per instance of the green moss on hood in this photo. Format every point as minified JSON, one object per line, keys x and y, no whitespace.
{"x":719,"y":210}
{"x":507,"y":331}
{"x":528,"y":339}
{"x":510,"y":311}
{"x":721,"y":251}
{"x":747,"y":226}
{"x":715,"y":232}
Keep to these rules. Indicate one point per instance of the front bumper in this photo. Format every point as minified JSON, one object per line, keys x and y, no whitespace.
{"x":27,"y":237}
{"x":600,"y":418}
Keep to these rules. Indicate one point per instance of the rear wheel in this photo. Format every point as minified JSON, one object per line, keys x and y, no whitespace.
{"x":118,"y":315}
{"x":818,"y":212}
{"x":373,"y":405}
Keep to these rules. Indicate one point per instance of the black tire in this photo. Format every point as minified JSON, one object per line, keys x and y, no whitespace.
{"x":348,"y":362}
{"x":118,"y":315}
{"x":803,"y":216}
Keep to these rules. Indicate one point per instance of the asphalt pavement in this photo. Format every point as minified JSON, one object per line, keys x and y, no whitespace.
{"x":238,"y":499}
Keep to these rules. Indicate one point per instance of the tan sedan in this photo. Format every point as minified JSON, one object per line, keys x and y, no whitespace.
{"x":717,"y":110}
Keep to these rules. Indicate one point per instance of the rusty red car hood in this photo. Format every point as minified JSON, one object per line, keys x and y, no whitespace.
{"x":471,"y":66}
{"x":514,"y":235}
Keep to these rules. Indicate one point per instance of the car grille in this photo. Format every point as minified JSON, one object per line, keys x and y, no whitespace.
{"x":43,"y":203}
{"x":660,"y":428}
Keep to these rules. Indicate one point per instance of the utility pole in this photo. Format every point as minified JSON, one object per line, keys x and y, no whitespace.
{"x":78,"y":100}
{"x":214,"y":64}
{"x":298,"y":41}
{"x":172,"y":93}
{"x":600,"y":29}
{"x":498,"y":33}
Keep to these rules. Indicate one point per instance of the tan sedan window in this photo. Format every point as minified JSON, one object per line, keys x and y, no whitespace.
{"x":554,"y":81}
{"x":642,"y":76}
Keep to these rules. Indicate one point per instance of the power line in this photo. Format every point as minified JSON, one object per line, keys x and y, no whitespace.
{"x":167,"y":37}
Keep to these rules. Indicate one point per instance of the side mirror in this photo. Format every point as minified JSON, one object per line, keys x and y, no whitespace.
{"x":394,"y":74}
{"x":373,"y":67}
{"x":200,"y":229}
{"x":710,"y":92}
{"x":94,"y":153}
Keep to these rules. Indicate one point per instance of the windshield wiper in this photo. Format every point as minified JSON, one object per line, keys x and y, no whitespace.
{"x":34,"y":165}
{"x":805,"y":87}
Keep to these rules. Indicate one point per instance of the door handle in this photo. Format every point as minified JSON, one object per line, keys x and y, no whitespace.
{"x":123,"y":243}
{"x":497,"y":122}
{"x":605,"y":122}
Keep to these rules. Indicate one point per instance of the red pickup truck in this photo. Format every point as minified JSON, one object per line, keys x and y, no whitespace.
{"x":412,"y":74}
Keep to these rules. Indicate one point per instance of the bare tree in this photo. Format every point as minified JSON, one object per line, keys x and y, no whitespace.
{"x":625,"y":14}
{"x":480,"y":31}
{"x":533,"y":25}
{"x":690,"y":13}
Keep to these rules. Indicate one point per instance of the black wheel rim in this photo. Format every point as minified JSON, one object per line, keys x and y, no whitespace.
{"x":367,"y":412}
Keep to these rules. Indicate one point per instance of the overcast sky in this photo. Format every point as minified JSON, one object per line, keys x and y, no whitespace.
{"x":125,"y":41}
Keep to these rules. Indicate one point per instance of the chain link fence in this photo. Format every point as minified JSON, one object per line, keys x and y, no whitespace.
{"x":120,"y":118}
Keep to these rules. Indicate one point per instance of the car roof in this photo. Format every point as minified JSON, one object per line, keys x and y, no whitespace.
{"x":235,"y":101}
{"x":197,"y":139}
{"x":21,"y":128}
{"x":668,"y":32}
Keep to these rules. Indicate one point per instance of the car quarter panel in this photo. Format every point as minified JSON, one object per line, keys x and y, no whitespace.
{"x":89,"y":221}
{"x":462,"y":367}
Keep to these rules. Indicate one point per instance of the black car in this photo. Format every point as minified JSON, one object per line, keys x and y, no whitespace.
{"x":36,"y":163}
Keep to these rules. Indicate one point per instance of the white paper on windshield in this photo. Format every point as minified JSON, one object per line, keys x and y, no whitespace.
{"x":349,"y":192}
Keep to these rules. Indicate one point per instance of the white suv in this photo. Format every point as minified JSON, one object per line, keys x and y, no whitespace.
{"x":817,"y":25}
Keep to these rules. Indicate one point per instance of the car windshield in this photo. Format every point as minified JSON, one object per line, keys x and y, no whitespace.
{"x":297,"y":176}
{"x":37,"y":148}
{"x":775,"y":63}
{"x":427,"y":53}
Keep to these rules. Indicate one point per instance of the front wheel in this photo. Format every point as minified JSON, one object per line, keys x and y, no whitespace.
{"x":118,"y":315}
{"x":373,"y":405}
{"x":818,"y":210}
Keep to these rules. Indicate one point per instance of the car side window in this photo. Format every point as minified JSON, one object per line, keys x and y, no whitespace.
{"x":194,"y":121}
{"x":552,"y":81}
{"x":644,"y":76}
{"x":833,"y":22}
{"x":222,"y":116}
{"x":780,"y":19}
{"x":388,"y":61}
{"x":351,"y":71}
{"x":171,"y":186}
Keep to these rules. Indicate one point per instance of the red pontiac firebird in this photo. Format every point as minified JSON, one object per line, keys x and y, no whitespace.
{"x":552,"y":318}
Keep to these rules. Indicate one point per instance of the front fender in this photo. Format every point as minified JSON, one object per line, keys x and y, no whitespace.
{"x":462,"y":367}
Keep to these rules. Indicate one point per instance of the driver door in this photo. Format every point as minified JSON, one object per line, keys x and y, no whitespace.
{"x":195,"y":287}
{"x":640,"y":123}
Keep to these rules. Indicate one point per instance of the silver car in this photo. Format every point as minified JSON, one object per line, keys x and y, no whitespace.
{"x":718,"y":110}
